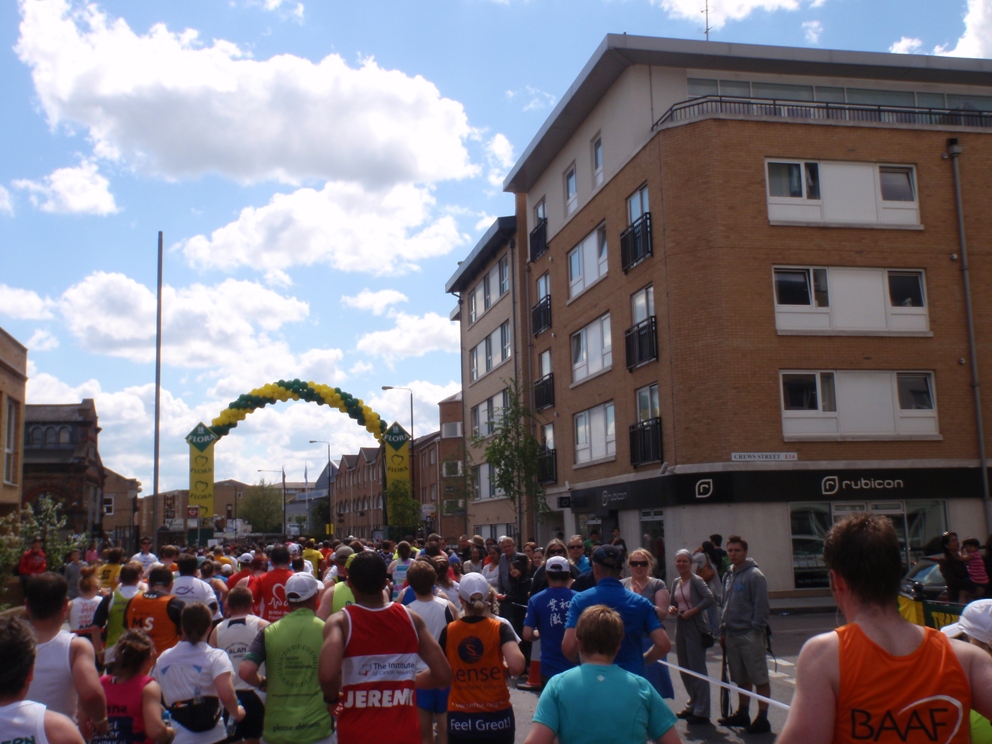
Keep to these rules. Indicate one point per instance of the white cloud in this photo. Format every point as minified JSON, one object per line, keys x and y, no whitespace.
{"x":976,"y":41}
{"x":484,"y":222}
{"x":42,"y":340}
{"x":411,"y":336}
{"x":812,"y":29}
{"x":722,"y":11}
{"x":376,"y":302}
{"x":80,"y":190}
{"x":538,"y":99}
{"x":360,"y":368}
{"x":345,"y":225}
{"x":500,"y":158}
{"x":906,"y":45}
{"x":293,"y":9}
{"x":6,"y":205}
{"x":24,"y":304}
{"x":395,"y":405}
{"x":172,"y":104}
{"x":224,"y":325}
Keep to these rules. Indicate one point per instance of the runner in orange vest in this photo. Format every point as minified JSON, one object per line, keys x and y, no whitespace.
{"x":156,"y":611}
{"x":880,"y":678}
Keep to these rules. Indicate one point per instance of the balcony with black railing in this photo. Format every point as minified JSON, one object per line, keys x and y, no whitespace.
{"x":732,"y":107}
{"x":635,"y":242}
{"x":544,"y":392}
{"x":547,"y":466}
{"x":645,"y":442}
{"x":539,"y":239}
{"x":642,"y":343}
{"x":540,"y":315}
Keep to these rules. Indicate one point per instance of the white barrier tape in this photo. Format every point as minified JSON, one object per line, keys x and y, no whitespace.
{"x":730,"y":686}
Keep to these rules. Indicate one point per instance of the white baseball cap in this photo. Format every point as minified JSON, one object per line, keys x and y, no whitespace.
{"x":557,"y":565}
{"x":975,"y":622}
{"x":301,"y":586}
{"x":472,"y":584}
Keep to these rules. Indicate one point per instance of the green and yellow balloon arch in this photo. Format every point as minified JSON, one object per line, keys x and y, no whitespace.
{"x":284,"y":390}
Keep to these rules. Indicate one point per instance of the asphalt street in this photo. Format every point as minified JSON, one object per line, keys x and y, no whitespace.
{"x":789,"y":632}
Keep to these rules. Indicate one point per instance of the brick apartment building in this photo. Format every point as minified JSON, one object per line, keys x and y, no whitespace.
{"x":744,"y":297}
{"x":13,"y":379}
{"x":493,"y":320}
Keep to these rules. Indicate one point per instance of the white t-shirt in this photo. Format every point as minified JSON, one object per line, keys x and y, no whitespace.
{"x":191,"y":589}
{"x":145,"y":559}
{"x":185,"y":671}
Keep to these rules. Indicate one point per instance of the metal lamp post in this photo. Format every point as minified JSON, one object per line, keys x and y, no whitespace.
{"x":283,"y":471}
{"x":330,"y":506}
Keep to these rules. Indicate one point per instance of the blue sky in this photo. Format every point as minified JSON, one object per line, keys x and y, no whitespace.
{"x":318,"y":169}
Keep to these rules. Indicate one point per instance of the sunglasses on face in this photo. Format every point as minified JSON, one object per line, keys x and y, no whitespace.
{"x":556,"y":552}
{"x":576,"y":547}
{"x":638,"y":564}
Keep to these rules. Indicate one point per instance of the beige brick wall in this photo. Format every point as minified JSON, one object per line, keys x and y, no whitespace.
{"x":13,"y":377}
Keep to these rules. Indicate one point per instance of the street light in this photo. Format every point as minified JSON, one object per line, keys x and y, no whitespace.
{"x":413,"y":481}
{"x":330,"y":508}
{"x":283,"y":471}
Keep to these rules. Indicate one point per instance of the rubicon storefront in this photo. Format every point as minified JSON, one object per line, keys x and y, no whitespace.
{"x":785,"y":513}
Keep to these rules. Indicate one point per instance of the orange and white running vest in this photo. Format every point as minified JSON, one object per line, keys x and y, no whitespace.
{"x":378,"y":701}
{"x":921,"y":697}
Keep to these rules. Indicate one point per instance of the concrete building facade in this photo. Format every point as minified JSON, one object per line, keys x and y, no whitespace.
{"x":744,"y":296}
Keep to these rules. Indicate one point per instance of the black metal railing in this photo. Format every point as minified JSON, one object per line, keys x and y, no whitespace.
{"x":544,"y":392}
{"x":645,"y":441}
{"x":642,"y":342}
{"x":539,"y":239}
{"x":859,"y":112}
{"x":547,"y":466}
{"x":635,"y":242}
{"x":540,"y":315}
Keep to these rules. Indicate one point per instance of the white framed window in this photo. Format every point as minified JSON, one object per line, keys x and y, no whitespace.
{"x":571,"y":190}
{"x":433,"y":456}
{"x":484,"y":484}
{"x":595,"y":434}
{"x":592,"y":349}
{"x":108,"y":506}
{"x":587,"y":262}
{"x":476,"y":421}
{"x":842,"y":193}
{"x":850,"y":301}
{"x":451,"y":430}
{"x":544,"y":285}
{"x":451,"y":468}
{"x":647,"y":403}
{"x":597,"y":161}
{"x":492,"y":351}
{"x":503,"y":269}
{"x":12,"y":420}
{"x":488,"y":413}
{"x":504,"y":340}
{"x":637,"y":205}
{"x":473,"y":364}
{"x":858,"y":404}
{"x":548,"y":436}
{"x":642,"y":304}
{"x":544,"y":362}
{"x":540,"y":212}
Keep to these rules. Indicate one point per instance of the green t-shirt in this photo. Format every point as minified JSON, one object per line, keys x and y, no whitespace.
{"x":981,"y":729}
{"x":343,"y":596}
{"x":295,"y":711}
{"x":594,"y":703}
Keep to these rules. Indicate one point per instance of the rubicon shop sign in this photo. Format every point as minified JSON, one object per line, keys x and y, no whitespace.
{"x":832,"y":484}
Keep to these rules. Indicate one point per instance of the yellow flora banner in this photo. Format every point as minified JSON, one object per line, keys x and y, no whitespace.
{"x":397,"y":454}
{"x":201,"y":468}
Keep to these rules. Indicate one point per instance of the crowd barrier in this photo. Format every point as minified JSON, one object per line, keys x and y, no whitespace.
{"x":932,"y":614}
{"x":728,"y":685}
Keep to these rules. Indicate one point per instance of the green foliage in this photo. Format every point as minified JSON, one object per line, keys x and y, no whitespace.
{"x":513,"y":453}
{"x":402,"y":509}
{"x":261,"y":507}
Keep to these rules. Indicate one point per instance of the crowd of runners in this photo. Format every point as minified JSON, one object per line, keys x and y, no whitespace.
{"x":416,"y":642}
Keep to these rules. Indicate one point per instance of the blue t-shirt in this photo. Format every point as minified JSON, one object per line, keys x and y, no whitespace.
{"x":547,"y":611}
{"x":583,"y":564}
{"x":639,"y":618}
{"x":595,"y":703}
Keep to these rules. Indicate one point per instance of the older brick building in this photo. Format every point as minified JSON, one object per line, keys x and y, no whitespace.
{"x":13,"y":378}
{"x":744,"y":296}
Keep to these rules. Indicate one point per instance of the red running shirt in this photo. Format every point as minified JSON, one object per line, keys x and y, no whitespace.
{"x":923,"y":697}
{"x":378,"y":695}
{"x":269,"y":593}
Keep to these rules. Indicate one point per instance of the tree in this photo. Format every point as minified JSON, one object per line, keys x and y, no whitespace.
{"x":513,"y":454}
{"x":402,"y":508}
{"x":262,"y":507}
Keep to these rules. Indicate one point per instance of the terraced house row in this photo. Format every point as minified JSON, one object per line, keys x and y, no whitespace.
{"x":746,"y":290}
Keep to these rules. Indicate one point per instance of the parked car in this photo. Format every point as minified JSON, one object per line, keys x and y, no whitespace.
{"x":924,"y":581}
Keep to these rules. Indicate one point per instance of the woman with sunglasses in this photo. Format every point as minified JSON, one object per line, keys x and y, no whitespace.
{"x":654,"y":590}
{"x":539,"y":582}
{"x":690,"y":597}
